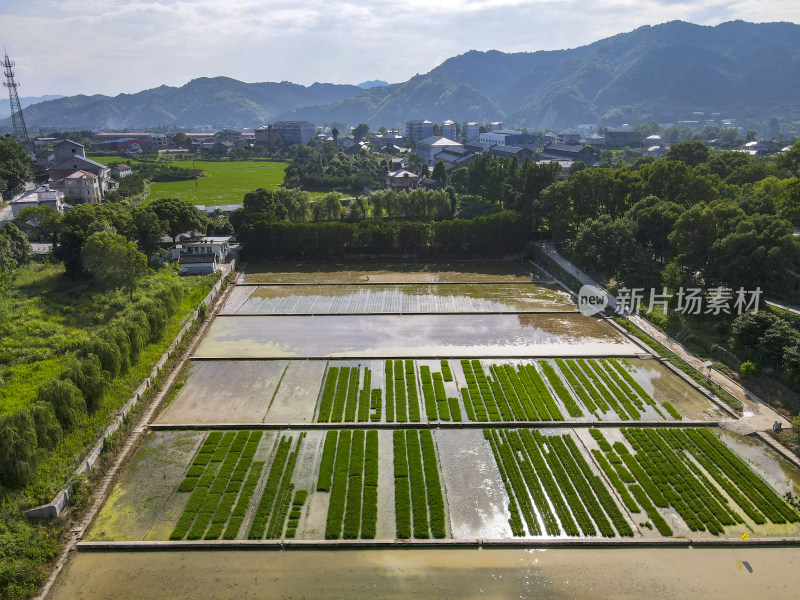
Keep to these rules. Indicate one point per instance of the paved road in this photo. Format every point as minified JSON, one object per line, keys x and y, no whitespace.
{"x":757,"y":415}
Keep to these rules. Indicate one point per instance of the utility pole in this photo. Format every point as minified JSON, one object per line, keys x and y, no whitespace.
{"x":18,"y":128}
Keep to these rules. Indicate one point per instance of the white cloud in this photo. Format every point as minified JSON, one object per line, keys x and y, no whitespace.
{"x":112,"y":46}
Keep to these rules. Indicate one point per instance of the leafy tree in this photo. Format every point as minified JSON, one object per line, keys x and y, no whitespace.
{"x":440,"y":172}
{"x":691,"y":153}
{"x":66,"y":399}
{"x":181,"y":139}
{"x":178,"y":216}
{"x":87,"y":375}
{"x":360,"y":131}
{"x":15,"y":164}
{"x":18,"y":247}
{"x":45,"y":221}
{"x":653,"y":220}
{"x":149,"y":230}
{"x":113,"y":260}
{"x":606,"y":243}
{"x":18,"y":445}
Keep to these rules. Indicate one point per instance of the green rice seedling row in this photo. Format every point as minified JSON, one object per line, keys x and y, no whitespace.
{"x":402,"y":493}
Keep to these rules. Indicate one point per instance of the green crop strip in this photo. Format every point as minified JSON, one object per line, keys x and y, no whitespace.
{"x":328,"y":391}
{"x":401,"y":405}
{"x":433,"y":484}
{"x":364,"y":397}
{"x":273,"y":505}
{"x":402,"y":495}
{"x":416,"y":476}
{"x":627,"y":499}
{"x":607,"y":379}
{"x":515,"y":522}
{"x":588,"y":386}
{"x":340,"y":397}
{"x":525,"y":406}
{"x":590,"y":370}
{"x":351,"y":405}
{"x":492,"y":409}
{"x":411,"y":392}
{"x":576,"y":385}
{"x":427,"y":393}
{"x":446,"y":372}
{"x":389,"y":378}
{"x":621,"y":384}
{"x":455,"y":409}
{"x":336,"y":507}
{"x":561,"y":391}
{"x":511,"y":407}
{"x":225,"y":459}
{"x":294,"y":516}
{"x":353,"y":504}
{"x":671,"y":410}
{"x":375,"y":405}
{"x":472,"y":397}
{"x":553,"y":412}
{"x":441,"y":397}
{"x":326,"y":463}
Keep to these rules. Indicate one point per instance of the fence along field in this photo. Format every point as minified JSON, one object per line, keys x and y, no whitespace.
{"x":541,"y":390}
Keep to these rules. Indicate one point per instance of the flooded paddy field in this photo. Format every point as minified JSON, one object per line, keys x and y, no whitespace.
{"x":397,"y":299}
{"x":554,"y":483}
{"x":413,"y":335}
{"x":442,"y":573}
{"x":388,"y":272}
{"x":227,"y":392}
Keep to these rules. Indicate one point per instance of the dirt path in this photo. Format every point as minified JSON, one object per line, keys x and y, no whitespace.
{"x":104,"y":486}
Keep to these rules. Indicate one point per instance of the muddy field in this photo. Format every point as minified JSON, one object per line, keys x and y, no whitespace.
{"x":412,"y":336}
{"x":393,"y":272}
{"x":226,"y":392}
{"x":396,"y":299}
{"x":608,"y":573}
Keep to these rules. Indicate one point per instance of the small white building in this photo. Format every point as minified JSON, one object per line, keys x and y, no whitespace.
{"x":42,"y":196}
{"x":219,"y":246}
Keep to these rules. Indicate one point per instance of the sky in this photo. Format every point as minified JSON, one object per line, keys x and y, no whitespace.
{"x":120,"y":46}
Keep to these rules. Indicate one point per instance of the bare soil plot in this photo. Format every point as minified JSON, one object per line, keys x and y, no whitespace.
{"x":412,"y":335}
{"x":394,"y":272}
{"x":144,"y":504}
{"x":225,"y":392}
{"x":402,"y":299}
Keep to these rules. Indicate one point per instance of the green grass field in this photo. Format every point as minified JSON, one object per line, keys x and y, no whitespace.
{"x":226,"y":183}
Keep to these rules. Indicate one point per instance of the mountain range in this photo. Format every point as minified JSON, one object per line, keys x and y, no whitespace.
{"x":662,"y":72}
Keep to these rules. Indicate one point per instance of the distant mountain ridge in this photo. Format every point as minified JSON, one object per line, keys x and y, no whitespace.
{"x":659,"y":72}
{"x":366,"y":85}
{"x":218,"y":101}
{"x":25,"y":101}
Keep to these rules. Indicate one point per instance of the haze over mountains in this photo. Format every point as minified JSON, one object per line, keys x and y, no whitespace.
{"x":736,"y":68}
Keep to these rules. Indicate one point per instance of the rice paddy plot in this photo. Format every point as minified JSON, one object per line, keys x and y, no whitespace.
{"x":552,"y":490}
{"x":391,"y":272}
{"x":397,"y":299}
{"x":692,"y":474}
{"x":349,"y":473}
{"x":420,"y":336}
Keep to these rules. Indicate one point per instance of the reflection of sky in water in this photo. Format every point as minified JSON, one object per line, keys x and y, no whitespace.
{"x":412,"y":335}
{"x":401,"y":299}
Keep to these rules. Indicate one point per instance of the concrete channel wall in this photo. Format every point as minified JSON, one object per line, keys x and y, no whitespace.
{"x":61,"y":500}
{"x":504,"y":543}
{"x":431,"y":425}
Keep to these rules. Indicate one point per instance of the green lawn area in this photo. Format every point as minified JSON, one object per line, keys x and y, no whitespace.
{"x":226,"y":183}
